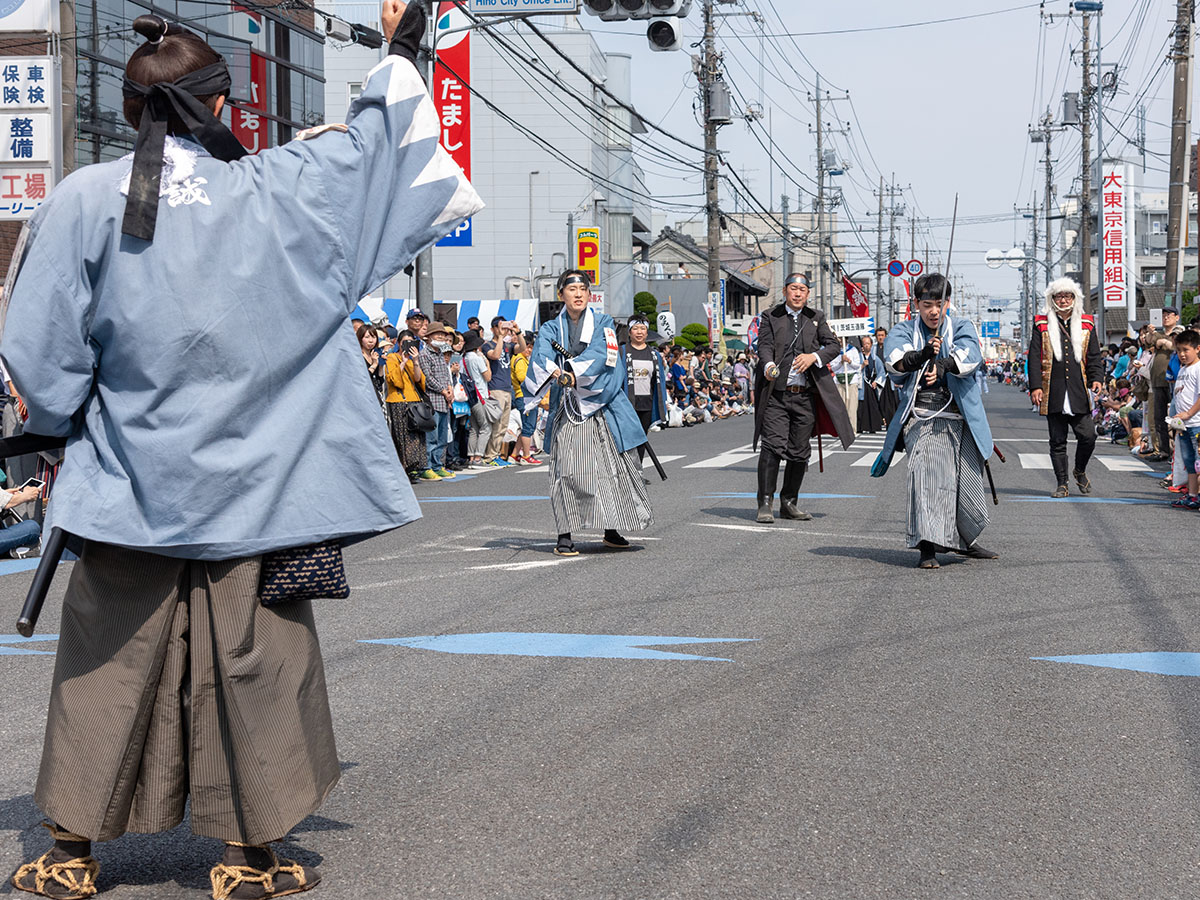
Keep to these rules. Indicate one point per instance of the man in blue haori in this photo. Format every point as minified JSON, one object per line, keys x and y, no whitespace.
{"x":593,"y":431}
{"x":942,"y":425}
{"x":176,"y":316}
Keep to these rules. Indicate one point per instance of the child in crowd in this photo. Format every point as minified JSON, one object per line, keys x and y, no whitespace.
{"x":1186,"y":421}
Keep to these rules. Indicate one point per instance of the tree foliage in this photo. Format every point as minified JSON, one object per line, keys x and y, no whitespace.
{"x":645,"y":303}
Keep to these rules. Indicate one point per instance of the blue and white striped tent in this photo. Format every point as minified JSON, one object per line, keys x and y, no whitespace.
{"x":524,"y":312}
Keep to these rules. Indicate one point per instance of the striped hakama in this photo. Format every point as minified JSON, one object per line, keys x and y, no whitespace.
{"x":947,"y":503}
{"x":593,"y":486}
{"x":172,"y":682}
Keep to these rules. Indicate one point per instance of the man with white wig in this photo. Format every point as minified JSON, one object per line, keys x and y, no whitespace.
{"x":1064,"y":361}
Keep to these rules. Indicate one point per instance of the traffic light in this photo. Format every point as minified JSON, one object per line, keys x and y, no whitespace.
{"x":665,"y":31}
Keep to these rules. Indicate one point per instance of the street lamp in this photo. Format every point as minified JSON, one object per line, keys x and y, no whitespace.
{"x":531,"y":174}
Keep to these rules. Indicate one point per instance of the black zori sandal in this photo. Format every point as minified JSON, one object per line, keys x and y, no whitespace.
{"x":253,"y":872}
{"x":65,"y":872}
{"x":565,"y":546}
{"x":613,"y":539}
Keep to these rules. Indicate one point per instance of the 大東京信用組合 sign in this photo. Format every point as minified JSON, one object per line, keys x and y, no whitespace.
{"x":853,"y":327}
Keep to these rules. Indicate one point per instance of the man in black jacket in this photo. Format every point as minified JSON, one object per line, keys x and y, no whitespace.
{"x":1064,"y":360}
{"x":797,"y":395}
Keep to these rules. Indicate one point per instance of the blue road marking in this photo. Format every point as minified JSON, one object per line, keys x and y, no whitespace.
{"x":719,"y":495}
{"x":478,"y":497}
{"x":13,"y":566}
{"x":8,"y":639}
{"x":1126,"y":500}
{"x":1157,"y":663}
{"x":578,"y":646}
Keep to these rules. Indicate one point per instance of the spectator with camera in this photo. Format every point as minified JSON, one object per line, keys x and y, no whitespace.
{"x":506,"y":339}
{"x":405,"y":382}
{"x":440,"y":393}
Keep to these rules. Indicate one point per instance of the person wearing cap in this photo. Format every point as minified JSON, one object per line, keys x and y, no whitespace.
{"x":189,"y":474}
{"x":1065,"y":375}
{"x":440,"y":393}
{"x":418,"y":323}
{"x":1162,"y":377}
{"x":596,"y":478}
{"x":795,"y":396}
{"x":941,"y":424}
{"x":645,"y":377}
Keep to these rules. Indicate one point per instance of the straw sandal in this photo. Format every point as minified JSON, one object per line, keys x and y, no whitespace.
{"x":57,"y":873}
{"x":246,"y":882}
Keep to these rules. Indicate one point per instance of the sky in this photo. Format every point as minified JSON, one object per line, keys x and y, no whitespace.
{"x":945,"y":106}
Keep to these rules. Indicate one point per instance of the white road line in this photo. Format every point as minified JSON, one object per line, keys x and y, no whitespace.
{"x":1123,"y":464}
{"x":869,"y":459}
{"x":728,"y":458}
{"x":753,"y":528}
{"x":521,"y":566}
{"x":646,"y":464}
{"x":1035,"y":461}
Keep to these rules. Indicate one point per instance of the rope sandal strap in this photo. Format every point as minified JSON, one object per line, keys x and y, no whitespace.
{"x":226,"y":879}
{"x":61,"y":834}
{"x":76,"y":876}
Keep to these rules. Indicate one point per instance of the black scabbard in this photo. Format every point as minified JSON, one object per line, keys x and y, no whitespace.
{"x":988,"y":470}
{"x":654,"y":459}
{"x":52,"y":551}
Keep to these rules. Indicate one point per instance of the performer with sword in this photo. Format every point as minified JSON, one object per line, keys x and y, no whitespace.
{"x":941,"y":423}
{"x":797,"y":396}
{"x":593,"y":432}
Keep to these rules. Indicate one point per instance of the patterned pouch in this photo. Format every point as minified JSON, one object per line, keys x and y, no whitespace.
{"x":303,"y":573}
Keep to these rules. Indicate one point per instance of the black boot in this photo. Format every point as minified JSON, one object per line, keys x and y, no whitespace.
{"x":768,"y":475}
{"x":793,"y":476}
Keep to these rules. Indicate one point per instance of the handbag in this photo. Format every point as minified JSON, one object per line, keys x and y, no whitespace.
{"x":303,"y":573}
{"x":419,"y":413}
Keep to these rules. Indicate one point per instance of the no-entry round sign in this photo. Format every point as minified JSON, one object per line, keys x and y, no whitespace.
{"x":895,"y":268}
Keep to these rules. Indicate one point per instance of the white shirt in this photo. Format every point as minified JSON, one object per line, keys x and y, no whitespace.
{"x":850,"y":362}
{"x":1187,"y":389}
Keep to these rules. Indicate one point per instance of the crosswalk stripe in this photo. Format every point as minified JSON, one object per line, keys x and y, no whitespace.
{"x":1123,"y":464}
{"x":646,"y":464}
{"x":1035,"y":461}
{"x":728,"y":458}
{"x":869,"y":459}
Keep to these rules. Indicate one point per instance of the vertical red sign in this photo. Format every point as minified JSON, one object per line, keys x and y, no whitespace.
{"x":451,"y":75}
{"x":248,"y":126}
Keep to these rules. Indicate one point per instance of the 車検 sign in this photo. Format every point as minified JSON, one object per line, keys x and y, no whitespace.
{"x":853,"y":327}
{"x":587,"y":252}
{"x":30,"y":136}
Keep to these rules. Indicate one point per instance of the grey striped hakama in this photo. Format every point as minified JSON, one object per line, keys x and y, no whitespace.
{"x":947,"y":502}
{"x":593,"y":486}
{"x":173,"y":681}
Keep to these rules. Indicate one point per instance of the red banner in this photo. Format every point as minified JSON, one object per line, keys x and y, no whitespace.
{"x":857,"y":298}
{"x":247,"y":125}
{"x":451,"y":75}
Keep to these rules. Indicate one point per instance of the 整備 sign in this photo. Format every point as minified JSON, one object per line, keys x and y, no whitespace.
{"x":30,"y":143}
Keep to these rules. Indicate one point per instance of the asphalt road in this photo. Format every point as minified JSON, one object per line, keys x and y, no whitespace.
{"x":867,"y":729}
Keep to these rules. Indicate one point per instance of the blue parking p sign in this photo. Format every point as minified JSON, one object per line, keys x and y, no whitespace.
{"x":459,"y":237}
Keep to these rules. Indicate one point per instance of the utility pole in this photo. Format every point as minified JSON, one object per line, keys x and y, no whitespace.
{"x":893,"y":247}
{"x":823,"y":242}
{"x":425,"y":257}
{"x":787,"y":237}
{"x":879,"y":262}
{"x":709,"y":72}
{"x":1181,"y":104}
{"x":1045,"y":134}
{"x":1085,"y":190}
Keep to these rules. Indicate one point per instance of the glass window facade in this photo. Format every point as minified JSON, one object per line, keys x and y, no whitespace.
{"x":276,"y":61}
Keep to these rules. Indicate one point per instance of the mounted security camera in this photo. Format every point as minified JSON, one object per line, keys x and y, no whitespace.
{"x":338,"y":30}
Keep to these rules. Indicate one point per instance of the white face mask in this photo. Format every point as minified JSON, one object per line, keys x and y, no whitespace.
{"x":439,"y":346}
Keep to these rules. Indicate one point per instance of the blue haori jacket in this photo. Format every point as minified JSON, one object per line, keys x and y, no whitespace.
{"x":213,"y":396}
{"x":960,"y":340}
{"x":599,"y":377}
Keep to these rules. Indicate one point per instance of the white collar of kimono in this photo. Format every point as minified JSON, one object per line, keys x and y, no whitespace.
{"x":920,"y":332}
{"x":589,"y":324}
{"x":179,"y":164}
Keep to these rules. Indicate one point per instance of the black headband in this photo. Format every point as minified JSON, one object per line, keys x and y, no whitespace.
{"x":574,"y":279}
{"x":931,"y":295}
{"x":162,"y":99}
